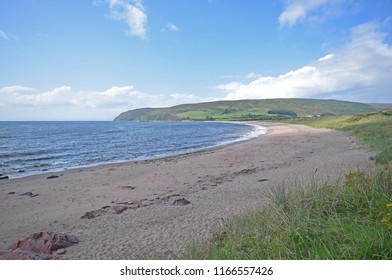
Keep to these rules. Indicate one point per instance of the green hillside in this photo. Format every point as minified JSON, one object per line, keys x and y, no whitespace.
{"x":242,"y":110}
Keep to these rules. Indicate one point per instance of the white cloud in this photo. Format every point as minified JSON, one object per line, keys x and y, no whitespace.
{"x":64,"y":103}
{"x":359,"y":70}
{"x":3,"y":35}
{"x":328,"y":56}
{"x":299,"y":10}
{"x":132,"y":13}
{"x":172,"y":27}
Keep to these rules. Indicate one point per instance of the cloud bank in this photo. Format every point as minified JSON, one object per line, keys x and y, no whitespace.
{"x":359,"y":70}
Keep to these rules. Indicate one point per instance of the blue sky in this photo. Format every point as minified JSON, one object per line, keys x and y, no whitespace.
{"x":93,"y":59}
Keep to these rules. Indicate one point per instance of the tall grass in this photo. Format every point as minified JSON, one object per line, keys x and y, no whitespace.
{"x":351,"y":219}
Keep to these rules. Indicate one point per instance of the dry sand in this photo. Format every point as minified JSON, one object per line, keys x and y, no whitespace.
{"x":219,"y":184}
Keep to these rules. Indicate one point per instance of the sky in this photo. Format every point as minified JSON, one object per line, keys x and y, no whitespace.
{"x":93,"y":59}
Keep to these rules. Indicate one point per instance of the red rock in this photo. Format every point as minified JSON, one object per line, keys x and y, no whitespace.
{"x":25,"y":245}
{"x":14,"y":246}
{"x":44,"y":242}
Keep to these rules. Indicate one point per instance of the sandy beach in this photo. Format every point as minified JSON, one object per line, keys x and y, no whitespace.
{"x":156,"y":220}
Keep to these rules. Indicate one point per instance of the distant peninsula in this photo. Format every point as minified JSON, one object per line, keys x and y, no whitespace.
{"x":248,"y":110}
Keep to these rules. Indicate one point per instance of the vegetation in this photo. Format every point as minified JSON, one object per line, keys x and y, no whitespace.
{"x":243,"y":110}
{"x":351,"y":219}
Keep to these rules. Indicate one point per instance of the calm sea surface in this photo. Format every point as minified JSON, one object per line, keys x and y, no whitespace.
{"x":28,"y":148}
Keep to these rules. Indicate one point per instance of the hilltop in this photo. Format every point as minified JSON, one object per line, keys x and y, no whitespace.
{"x":243,"y":110}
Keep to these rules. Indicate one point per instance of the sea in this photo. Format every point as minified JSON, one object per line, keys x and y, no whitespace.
{"x":28,"y":148}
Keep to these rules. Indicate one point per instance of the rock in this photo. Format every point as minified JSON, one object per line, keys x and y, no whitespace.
{"x":52,"y":177}
{"x":181,"y":202}
{"x":44,"y":243}
{"x":116,"y":209}
{"x":4,"y":177}
{"x":11,"y":193}
{"x":14,"y":246}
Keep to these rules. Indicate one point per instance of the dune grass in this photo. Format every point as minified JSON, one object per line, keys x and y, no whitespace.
{"x":350,"y":219}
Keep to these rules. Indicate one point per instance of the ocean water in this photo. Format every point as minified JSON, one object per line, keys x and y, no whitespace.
{"x":28,"y":148}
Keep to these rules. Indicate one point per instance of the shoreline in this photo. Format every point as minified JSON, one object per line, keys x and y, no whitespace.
{"x":258,"y":131}
{"x":219,"y":183}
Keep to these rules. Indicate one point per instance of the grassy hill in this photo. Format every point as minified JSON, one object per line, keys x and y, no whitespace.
{"x":242,"y":110}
